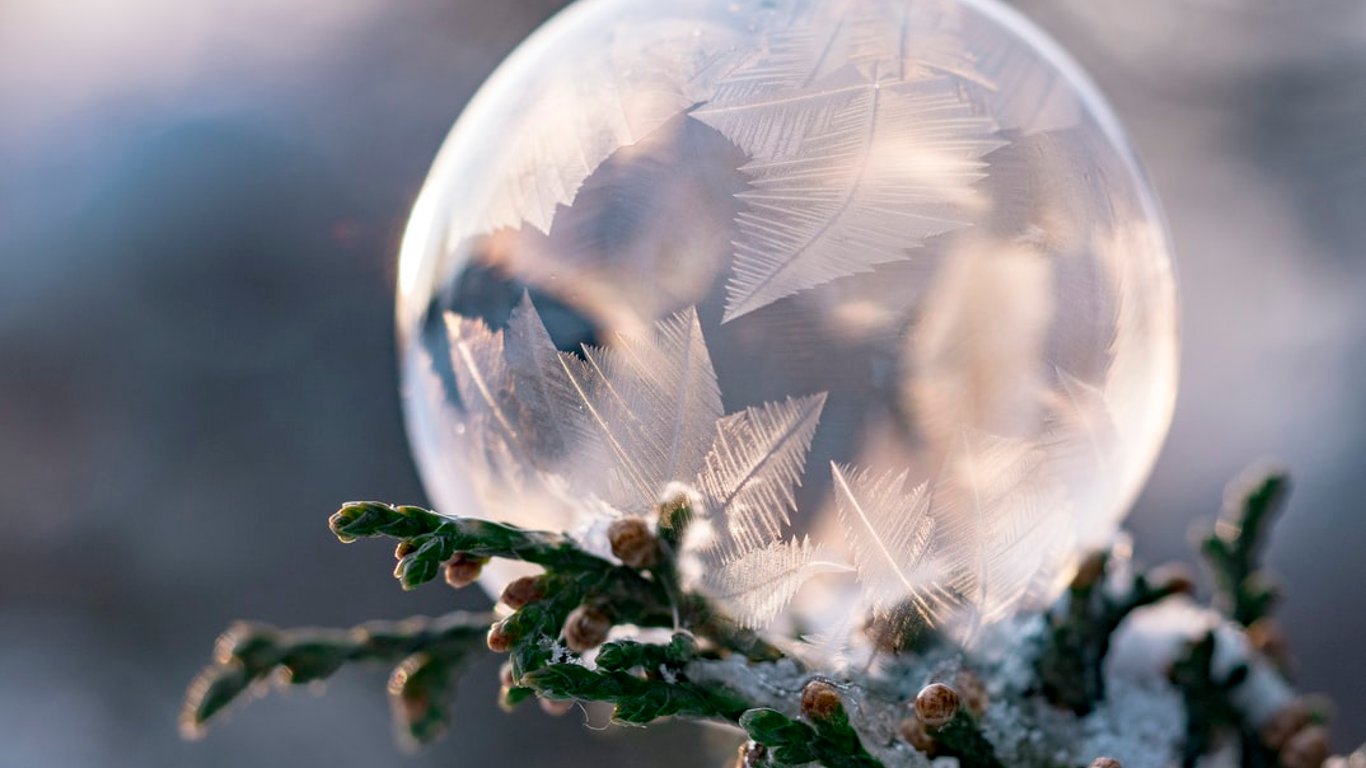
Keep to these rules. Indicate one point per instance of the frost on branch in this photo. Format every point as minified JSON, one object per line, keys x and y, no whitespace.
{"x":986,"y":707}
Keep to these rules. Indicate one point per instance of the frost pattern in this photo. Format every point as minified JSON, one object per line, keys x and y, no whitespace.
{"x":981,"y":539}
{"x":756,"y":460}
{"x":1005,"y":519}
{"x":575,"y":119}
{"x":1084,"y":449}
{"x":613,"y":430}
{"x":652,"y":402}
{"x":756,"y":587}
{"x":859,"y":150}
{"x":734,"y":552}
{"x":891,"y":536}
{"x":515,"y":434}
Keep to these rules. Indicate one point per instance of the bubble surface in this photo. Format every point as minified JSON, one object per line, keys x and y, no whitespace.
{"x":874,"y":288}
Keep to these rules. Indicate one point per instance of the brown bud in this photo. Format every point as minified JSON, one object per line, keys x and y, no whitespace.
{"x":586,"y":628}
{"x":1355,"y":760}
{"x":503,"y":703}
{"x":556,"y":707}
{"x":1265,"y":635}
{"x":820,"y":700}
{"x":1106,"y":762}
{"x":522,"y":592}
{"x":1284,"y":723}
{"x":633,"y":542}
{"x":1309,"y":748}
{"x":918,"y":735}
{"x":404,"y":548}
{"x":972,"y":691}
{"x":936,"y":704}
{"x":1090,"y":571}
{"x":751,"y":755}
{"x":463,"y":570}
{"x":413,"y":705}
{"x":1176,"y":578}
{"x":499,"y":639}
{"x":505,"y":675}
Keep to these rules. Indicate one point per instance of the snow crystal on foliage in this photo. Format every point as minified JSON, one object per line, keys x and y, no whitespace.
{"x":1139,"y":723}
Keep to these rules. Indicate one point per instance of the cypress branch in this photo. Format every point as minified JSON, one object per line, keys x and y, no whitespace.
{"x":564,"y":613}
{"x":1071,"y":665}
{"x":248,"y":654}
{"x":1234,"y":547}
{"x":830,"y":741}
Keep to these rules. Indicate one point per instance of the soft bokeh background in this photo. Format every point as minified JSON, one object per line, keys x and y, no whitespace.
{"x":199,"y":207}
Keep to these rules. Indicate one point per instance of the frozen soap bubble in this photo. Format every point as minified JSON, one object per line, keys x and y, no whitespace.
{"x":874,"y":286}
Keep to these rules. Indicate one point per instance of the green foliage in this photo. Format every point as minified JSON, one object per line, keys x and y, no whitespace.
{"x":434,"y":539}
{"x":1209,"y":708}
{"x":420,"y":690}
{"x":638,"y":699}
{"x":1071,"y":664}
{"x":568,"y":610}
{"x":1233,"y":548}
{"x":830,"y":741}
{"x":962,"y":738}
{"x":250,"y":654}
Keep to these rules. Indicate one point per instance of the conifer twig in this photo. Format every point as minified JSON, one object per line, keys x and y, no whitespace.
{"x":248,"y":654}
{"x":1071,"y":665}
{"x":1233,"y":548}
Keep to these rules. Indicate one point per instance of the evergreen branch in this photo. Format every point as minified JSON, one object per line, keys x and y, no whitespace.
{"x":830,"y":741}
{"x":1209,"y":708}
{"x":248,"y":654}
{"x":435,"y":539}
{"x":637,"y":699}
{"x":1233,"y":549}
{"x":568,"y":611}
{"x":1071,"y":664}
{"x":625,"y":655}
{"x":420,"y":691}
{"x":962,"y":738}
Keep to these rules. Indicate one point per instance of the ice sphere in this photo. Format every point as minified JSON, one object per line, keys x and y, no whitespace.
{"x":875,"y":288}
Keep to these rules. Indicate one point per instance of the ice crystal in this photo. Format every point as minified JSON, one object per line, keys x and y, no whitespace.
{"x":651,"y":401}
{"x":757,"y":585}
{"x":1004,"y":517}
{"x":854,"y":159}
{"x":755,"y":461}
{"x":891,"y":536}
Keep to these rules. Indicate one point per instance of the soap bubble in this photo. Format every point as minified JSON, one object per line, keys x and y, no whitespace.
{"x":873,"y":288}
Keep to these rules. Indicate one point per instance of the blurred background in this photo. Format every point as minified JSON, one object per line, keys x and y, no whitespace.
{"x":200,"y":204}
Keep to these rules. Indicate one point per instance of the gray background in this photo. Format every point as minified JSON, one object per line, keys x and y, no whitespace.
{"x":199,"y":207}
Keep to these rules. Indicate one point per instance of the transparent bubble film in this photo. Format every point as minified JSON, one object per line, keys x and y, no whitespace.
{"x":873,"y":288}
